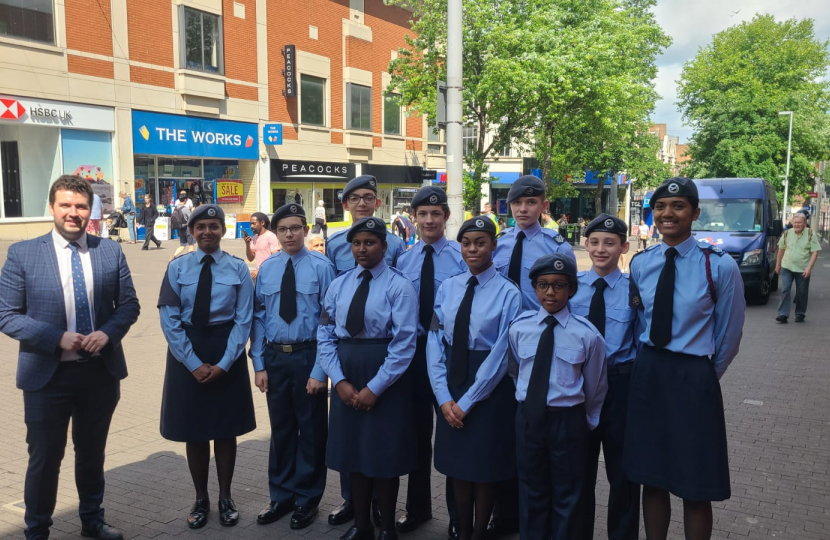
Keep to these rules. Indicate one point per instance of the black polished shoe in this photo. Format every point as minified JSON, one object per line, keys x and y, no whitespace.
{"x":228,"y":514}
{"x":452,"y":531}
{"x":782,"y":319}
{"x":197,"y":518}
{"x":102,"y":531}
{"x":145,"y":248}
{"x":274,"y":511}
{"x":388,"y":535}
{"x":303,"y":517}
{"x":499,"y":527}
{"x":356,"y":534}
{"x":799,"y":318}
{"x":342,"y":514}
{"x":376,"y":513}
{"x":409,"y":522}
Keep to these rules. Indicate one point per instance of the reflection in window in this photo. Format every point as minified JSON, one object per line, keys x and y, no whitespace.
{"x":203,"y":41}
{"x":28,"y":19}
{"x":469,"y":137}
{"x":359,"y":107}
{"x":312,"y":100}
{"x":392,"y":114}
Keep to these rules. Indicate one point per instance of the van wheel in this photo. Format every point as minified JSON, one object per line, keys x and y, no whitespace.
{"x":773,"y":283}
{"x":760,"y":296}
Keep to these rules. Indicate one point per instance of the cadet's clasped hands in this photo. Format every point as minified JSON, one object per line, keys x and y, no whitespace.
{"x":364,"y":400}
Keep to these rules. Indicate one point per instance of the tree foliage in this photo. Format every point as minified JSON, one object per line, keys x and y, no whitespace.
{"x":732,"y":91}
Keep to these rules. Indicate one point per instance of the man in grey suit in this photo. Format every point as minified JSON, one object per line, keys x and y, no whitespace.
{"x":68,"y":298}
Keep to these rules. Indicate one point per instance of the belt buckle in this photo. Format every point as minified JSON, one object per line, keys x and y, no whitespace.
{"x":287,"y":348}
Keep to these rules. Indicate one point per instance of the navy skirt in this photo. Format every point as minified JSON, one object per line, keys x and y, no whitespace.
{"x":380,"y":443}
{"x":196,"y":412}
{"x":675,"y":436}
{"x":484,"y":450}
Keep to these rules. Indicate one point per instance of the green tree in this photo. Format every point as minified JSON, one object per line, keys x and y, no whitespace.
{"x":732,"y":91}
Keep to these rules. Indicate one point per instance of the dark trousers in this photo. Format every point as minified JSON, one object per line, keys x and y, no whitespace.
{"x":149,"y":236}
{"x":551,"y":463}
{"x":88,"y":394}
{"x":299,"y":429}
{"x":624,"y":496}
{"x":802,"y":289}
{"x":184,"y":236}
{"x":320,"y":225}
{"x":419,"y":488}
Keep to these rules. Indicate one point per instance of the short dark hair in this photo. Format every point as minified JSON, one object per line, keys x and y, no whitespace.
{"x":71,"y":182}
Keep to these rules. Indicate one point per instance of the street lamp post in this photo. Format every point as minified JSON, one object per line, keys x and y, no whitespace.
{"x":787,"y":172}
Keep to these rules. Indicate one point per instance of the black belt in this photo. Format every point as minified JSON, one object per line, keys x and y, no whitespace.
{"x":621,"y":369}
{"x":292,"y":347}
{"x":549,"y":408}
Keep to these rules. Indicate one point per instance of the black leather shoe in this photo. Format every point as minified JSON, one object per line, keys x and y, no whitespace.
{"x":376,"y":513}
{"x":499,"y":527}
{"x":356,"y":534}
{"x":342,"y":514}
{"x":452,"y":531}
{"x":228,"y":514}
{"x":102,"y":531}
{"x":303,"y":517}
{"x":197,"y":518}
{"x":388,"y":535}
{"x":409,"y":522}
{"x":274,"y":511}
{"x":144,"y":249}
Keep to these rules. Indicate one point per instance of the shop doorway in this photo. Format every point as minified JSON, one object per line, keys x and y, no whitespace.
{"x":10,"y":161}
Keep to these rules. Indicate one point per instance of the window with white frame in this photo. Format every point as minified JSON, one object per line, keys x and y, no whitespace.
{"x":202,"y":41}
{"x":505,"y":151}
{"x":435,"y":144}
{"x":33,"y":20}
{"x":392,"y":114}
{"x":359,"y":107}
{"x":312,"y":100}
{"x":469,"y":137}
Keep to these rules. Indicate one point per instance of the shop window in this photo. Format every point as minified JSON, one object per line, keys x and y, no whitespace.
{"x":469,"y":137}
{"x":10,"y":160}
{"x":312,"y":100}
{"x":202,"y":41}
{"x":88,"y":154}
{"x":435,"y":144}
{"x":392,"y":114}
{"x":28,"y":19}
{"x":359,"y":107}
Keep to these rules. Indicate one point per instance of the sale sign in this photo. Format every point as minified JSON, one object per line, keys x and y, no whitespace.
{"x":228,"y":191}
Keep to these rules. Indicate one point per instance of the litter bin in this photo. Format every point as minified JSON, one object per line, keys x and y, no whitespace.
{"x":573,"y":234}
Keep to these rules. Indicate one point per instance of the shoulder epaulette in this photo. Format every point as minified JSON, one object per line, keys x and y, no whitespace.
{"x":559,"y":239}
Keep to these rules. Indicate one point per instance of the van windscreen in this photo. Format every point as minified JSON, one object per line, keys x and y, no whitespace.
{"x":730,"y":215}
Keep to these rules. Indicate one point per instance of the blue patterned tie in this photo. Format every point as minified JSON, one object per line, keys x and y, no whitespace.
{"x":83,"y":320}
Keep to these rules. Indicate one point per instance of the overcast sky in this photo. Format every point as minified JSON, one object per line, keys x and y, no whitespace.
{"x":693,"y":23}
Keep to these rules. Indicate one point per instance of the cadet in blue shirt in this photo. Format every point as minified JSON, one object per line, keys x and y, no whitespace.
{"x":520,"y":246}
{"x":288,"y":297}
{"x":205,"y":308}
{"x":558,"y":362}
{"x":675,"y":439}
{"x":467,"y":358}
{"x":602,"y":298}
{"x":360,"y":199}
{"x":366,"y":341}
{"x":432,"y":260}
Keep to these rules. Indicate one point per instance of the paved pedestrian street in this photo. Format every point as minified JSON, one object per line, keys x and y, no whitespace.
{"x":776,"y":395}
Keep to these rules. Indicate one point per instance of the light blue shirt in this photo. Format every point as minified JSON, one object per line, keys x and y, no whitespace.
{"x":339,"y":251}
{"x":446,"y":259}
{"x":313,"y":273}
{"x":620,"y":318}
{"x":391,"y":313}
{"x":700,"y":326}
{"x":578,"y":372}
{"x":97,"y":207}
{"x":497,"y":302}
{"x":231,"y":299}
{"x":538,"y":242}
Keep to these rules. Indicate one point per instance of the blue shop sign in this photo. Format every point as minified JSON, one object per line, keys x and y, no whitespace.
{"x":272,"y":134}
{"x":177,"y":135}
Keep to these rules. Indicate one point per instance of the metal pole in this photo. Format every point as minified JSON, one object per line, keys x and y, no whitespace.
{"x":787,"y":173}
{"x":455,"y":149}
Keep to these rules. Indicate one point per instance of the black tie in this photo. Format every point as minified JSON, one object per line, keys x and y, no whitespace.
{"x":514,"y":271}
{"x":288,"y":294}
{"x":461,"y":335}
{"x":201,"y":306}
{"x":536,"y":400}
{"x":427,"y":293}
{"x":664,"y":303}
{"x":357,"y":310}
{"x":597,"y":312}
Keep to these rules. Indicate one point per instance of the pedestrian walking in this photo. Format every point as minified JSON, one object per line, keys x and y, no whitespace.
{"x":320,"y":222}
{"x":147,"y":218}
{"x":205,"y":309}
{"x":68,"y":298}
{"x":675,"y":436}
{"x":179,"y":217}
{"x":264,"y":243}
{"x":128,"y":209}
{"x":643,"y":233}
{"x":797,"y":253}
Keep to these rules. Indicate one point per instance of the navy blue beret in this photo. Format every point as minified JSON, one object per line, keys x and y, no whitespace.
{"x":555,"y":263}
{"x":368,"y":224}
{"x":429,"y":196}
{"x":206,"y":211}
{"x":526,"y":186}
{"x":287,"y":210}
{"x":366,"y":181}
{"x":606,"y":223}
{"x":676,"y":187}
{"x":477,"y":224}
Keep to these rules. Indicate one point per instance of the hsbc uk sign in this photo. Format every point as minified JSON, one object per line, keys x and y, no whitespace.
{"x":21,"y":110}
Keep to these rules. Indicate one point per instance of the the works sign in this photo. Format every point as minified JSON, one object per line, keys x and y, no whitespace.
{"x":311,"y":171}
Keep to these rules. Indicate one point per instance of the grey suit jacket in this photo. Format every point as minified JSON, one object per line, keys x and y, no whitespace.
{"x":32,"y":307}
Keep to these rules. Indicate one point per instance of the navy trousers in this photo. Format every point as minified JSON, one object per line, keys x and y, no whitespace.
{"x":624,"y":496}
{"x":551,"y":462}
{"x":419,"y":487}
{"x":299,"y":429}
{"x":86,"y":393}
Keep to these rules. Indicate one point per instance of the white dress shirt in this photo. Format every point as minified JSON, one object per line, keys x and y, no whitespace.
{"x":64,"y":255}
